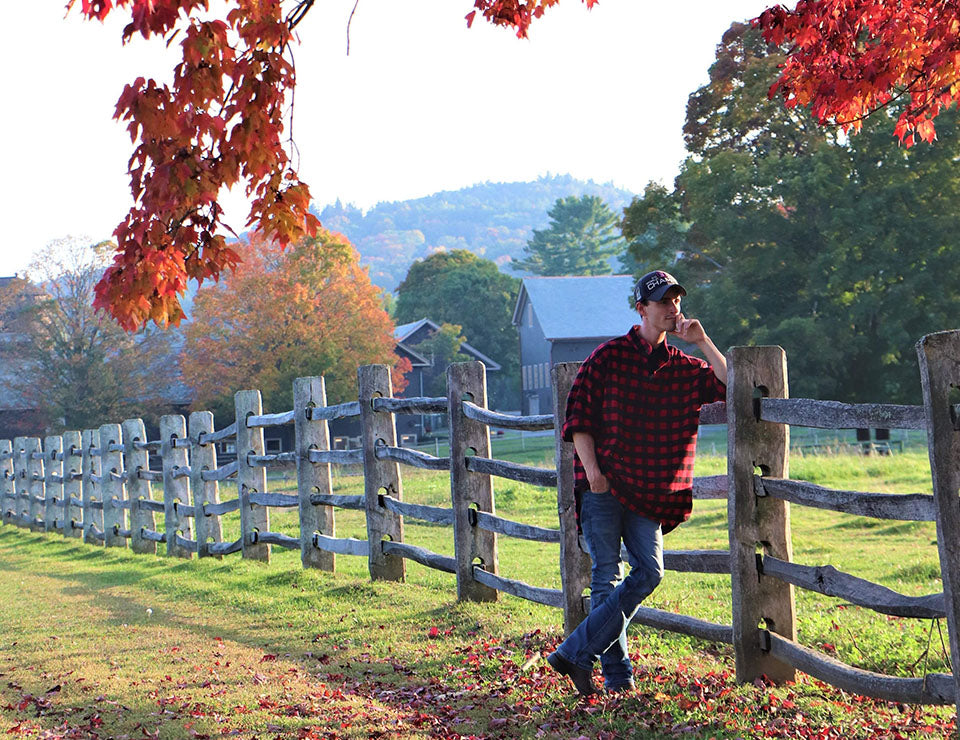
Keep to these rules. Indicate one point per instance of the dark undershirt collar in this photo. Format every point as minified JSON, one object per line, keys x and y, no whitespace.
{"x":656,"y":357}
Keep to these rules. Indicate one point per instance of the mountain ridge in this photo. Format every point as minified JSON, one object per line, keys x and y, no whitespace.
{"x":491,"y":219}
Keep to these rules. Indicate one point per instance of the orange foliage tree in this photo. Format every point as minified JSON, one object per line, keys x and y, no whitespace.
{"x":849,"y":58}
{"x":307,"y":310}
{"x":220,"y":123}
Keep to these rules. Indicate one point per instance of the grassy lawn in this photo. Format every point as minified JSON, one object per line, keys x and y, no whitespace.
{"x":104,"y":643}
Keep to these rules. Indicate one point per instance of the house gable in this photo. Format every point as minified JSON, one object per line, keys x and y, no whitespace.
{"x":417,"y":331}
{"x":416,"y":359}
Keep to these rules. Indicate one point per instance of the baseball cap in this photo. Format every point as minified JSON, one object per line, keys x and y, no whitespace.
{"x":653,"y":286}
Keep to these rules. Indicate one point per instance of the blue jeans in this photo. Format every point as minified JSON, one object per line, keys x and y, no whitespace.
{"x":613,"y":601}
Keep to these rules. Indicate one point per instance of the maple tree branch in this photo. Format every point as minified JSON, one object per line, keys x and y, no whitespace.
{"x":298,"y":13}
{"x":891,"y":101}
{"x":857,"y":119}
{"x":178,"y":223}
{"x":294,"y":149}
{"x":900,"y":94}
{"x":349,"y":21}
{"x":693,"y":250}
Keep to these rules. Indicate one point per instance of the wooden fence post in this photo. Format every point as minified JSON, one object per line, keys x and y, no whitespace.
{"x":470,"y":491}
{"x":939,"y":356}
{"x":574,"y":562}
{"x":176,"y":487}
{"x":757,"y":524}
{"x":251,"y":479}
{"x":111,"y":486}
{"x":33,"y":452}
{"x":8,"y":489}
{"x":21,"y":499}
{"x":92,"y":515}
{"x":53,"y":484}
{"x":136,"y":459}
{"x":312,"y":477}
{"x":72,"y":484}
{"x":380,"y":476}
{"x":204,"y":457}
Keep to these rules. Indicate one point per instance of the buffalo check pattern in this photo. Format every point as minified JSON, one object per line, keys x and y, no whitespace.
{"x":642,"y":405}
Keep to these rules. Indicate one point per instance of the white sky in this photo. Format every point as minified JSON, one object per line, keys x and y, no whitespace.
{"x":422,"y":104}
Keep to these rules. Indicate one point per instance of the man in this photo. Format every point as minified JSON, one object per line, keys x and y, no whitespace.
{"x":633,"y":415}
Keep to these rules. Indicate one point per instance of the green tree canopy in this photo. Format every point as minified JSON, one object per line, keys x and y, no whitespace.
{"x":843,"y":251}
{"x":580,"y":239}
{"x":458,"y":287}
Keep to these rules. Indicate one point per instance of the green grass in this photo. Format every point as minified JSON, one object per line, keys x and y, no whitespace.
{"x":237,"y":648}
{"x":537,"y":448}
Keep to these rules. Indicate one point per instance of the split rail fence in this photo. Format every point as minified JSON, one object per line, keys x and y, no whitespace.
{"x":96,"y":484}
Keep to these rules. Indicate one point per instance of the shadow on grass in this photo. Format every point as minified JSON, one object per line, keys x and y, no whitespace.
{"x":363,"y":677}
{"x":475,"y":685}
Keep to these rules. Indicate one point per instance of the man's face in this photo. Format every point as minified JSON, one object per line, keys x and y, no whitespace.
{"x":662,"y":315}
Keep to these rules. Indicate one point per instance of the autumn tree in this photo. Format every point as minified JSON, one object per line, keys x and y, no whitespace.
{"x":848,"y":59}
{"x":17,"y":416}
{"x":307,"y":310}
{"x":80,"y":369}
{"x":222,"y":121}
{"x":579,"y":240}
{"x":458,"y":287}
{"x":796,"y":236}
{"x":17,"y":296}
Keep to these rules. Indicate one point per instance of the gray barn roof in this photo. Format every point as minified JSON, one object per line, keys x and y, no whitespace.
{"x":579,"y":307}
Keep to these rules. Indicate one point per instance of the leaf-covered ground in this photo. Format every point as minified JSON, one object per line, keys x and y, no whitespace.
{"x":86,"y":659}
{"x":493,"y":688}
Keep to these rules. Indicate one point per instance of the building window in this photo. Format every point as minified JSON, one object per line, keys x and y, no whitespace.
{"x":523,"y":377}
{"x":529,"y":314}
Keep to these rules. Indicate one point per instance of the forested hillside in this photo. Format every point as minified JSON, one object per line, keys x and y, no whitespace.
{"x":493,"y":220}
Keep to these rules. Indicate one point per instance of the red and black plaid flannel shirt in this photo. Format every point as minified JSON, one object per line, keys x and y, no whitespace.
{"x":642,"y":408}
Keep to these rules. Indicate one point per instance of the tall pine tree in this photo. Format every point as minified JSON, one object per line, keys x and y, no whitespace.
{"x":580,"y":240}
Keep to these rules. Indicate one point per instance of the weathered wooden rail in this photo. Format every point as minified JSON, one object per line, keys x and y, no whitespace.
{"x":96,"y":484}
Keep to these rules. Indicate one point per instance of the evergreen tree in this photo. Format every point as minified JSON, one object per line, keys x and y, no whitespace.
{"x":580,"y":239}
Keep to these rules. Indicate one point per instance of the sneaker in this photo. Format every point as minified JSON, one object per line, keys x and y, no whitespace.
{"x":622,"y":688}
{"x":582,"y":677}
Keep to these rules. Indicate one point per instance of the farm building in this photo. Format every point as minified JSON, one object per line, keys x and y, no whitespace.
{"x":563,"y":319}
{"x":408,"y":336}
